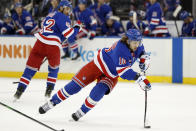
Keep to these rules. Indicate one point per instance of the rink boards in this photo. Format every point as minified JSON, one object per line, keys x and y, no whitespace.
{"x":172,"y":59}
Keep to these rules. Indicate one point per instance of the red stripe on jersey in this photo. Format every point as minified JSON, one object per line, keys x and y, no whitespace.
{"x":61,"y":95}
{"x":102,"y":65}
{"x":74,"y":46}
{"x":88,"y":104}
{"x":51,"y":79}
{"x":50,"y":39}
{"x":68,"y":32}
{"x":24,"y":80}
{"x":154,"y":21}
{"x":121,"y":70}
{"x":161,"y":29}
{"x":65,"y":45}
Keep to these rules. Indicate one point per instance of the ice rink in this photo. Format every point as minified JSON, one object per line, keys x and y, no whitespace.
{"x":171,"y":107}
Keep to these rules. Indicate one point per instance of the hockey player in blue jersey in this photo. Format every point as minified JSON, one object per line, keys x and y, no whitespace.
{"x":107,"y":66}
{"x":169,"y":8}
{"x":101,"y":11}
{"x":156,"y":23}
{"x":141,"y":25}
{"x":188,"y":26}
{"x":7,"y":25}
{"x":86,"y":17}
{"x":25,"y":24}
{"x":54,"y":6}
{"x":112,"y":27}
{"x":56,"y":28}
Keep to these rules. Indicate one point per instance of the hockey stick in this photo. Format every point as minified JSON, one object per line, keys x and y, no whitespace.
{"x":145,"y":111}
{"x":135,"y":20}
{"x":39,"y":122}
{"x":177,"y":10}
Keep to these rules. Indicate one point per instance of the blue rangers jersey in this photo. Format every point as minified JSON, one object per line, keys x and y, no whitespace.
{"x":140,"y":24}
{"x":154,"y":17}
{"x":101,"y":12}
{"x":25,"y":21}
{"x":188,"y":28}
{"x":117,"y":60}
{"x":56,"y":28}
{"x":171,"y":4}
{"x":86,"y":17}
{"x":115,"y":30}
{"x":7,"y":28}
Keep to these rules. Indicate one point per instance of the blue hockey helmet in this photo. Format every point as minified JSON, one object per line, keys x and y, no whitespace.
{"x":184,"y":15}
{"x":18,"y":4}
{"x":65,"y":3}
{"x":134,"y":35}
{"x":131,"y":13}
{"x":82,"y":2}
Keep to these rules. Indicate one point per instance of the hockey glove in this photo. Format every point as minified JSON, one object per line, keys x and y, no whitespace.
{"x":147,"y":31}
{"x":143,"y":83}
{"x":91,"y":35}
{"x":20,"y":31}
{"x":78,"y":25}
{"x":144,"y":62}
{"x":3,"y":30}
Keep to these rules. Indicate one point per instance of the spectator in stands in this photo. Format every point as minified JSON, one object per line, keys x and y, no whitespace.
{"x":156,"y":23}
{"x":169,"y":7}
{"x":54,"y":6}
{"x":7,"y":25}
{"x":140,"y":25}
{"x":25,"y":24}
{"x":101,"y":11}
{"x":112,"y":27}
{"x":188,"y":27}
{"x":86,"y":16}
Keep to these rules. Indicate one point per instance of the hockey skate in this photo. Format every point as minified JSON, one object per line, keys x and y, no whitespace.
{"x":67,"y":55}
{"x":46,"y":107}
{"x":48,"y":91}
{"x":18,"y":93}
{"x":77,"y":115}
{"x":75,"y":56}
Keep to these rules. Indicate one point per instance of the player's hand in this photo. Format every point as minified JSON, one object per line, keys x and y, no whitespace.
{"x":91,"y":35}
{"x":78,"y":25}
{"x":147,"y":31}
{"x":144,"y":83}
{"x":3,"y":30}
{"x":20,"y":31}
{"x":144,"y":62}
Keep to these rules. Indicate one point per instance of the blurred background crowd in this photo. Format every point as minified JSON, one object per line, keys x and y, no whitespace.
{"x":24,"y":17}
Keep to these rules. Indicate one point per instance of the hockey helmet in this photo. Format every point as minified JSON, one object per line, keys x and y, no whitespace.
{"x":65,"y":3}
{"x":82,"y":2}
{"x":184,"y":15}
{"x":134,"y":35}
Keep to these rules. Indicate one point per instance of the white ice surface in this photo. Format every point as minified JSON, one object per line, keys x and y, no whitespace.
{"x":171,"y":107}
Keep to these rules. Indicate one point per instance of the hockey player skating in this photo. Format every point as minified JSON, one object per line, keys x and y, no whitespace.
{"x":56,"y":28}
{"x":107,"y":66}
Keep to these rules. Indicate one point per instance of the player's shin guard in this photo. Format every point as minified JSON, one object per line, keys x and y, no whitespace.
{"x":70,"y":89}
{"x":51,"y":80}
{"x":95,"y":96}
{"x":75,"y":54}
{"x":24,"y":81}
{"x":65,"y":50}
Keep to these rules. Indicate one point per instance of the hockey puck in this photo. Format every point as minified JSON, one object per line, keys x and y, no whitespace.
{"x":147,"y":127}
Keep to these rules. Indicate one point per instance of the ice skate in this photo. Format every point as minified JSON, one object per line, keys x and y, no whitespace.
{"x":48,"y":92}
{"x":46,"y":107}
{"x":18,"y":93}
{"x":77,"y":115}
{"x":67,"y":55}
{"x":75,"y":56}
